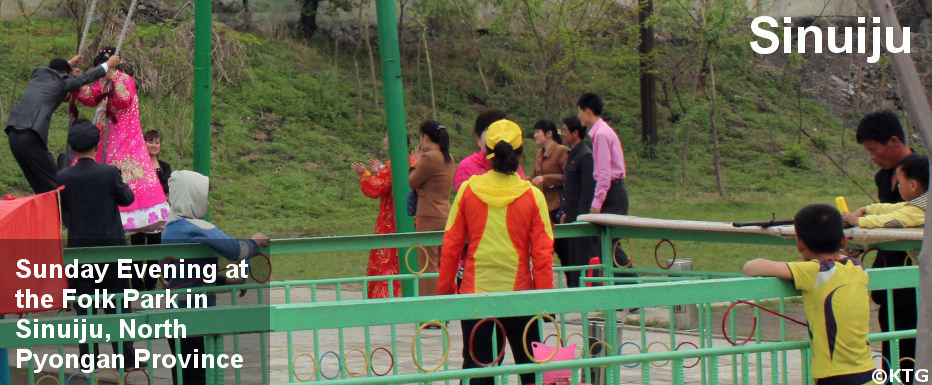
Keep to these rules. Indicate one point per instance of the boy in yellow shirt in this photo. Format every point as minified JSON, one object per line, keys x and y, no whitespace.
{"x":835,"y":296}
{"x":912,"y":177}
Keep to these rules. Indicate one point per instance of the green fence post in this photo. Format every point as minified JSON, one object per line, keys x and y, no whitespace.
{"x":392,"y":88}
{"x":202,"y":49}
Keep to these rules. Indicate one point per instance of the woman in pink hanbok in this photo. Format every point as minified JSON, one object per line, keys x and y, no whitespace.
{"x":122,"y":145}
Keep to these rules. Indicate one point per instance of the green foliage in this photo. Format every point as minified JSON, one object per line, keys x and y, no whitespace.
{"x":287,"y":122}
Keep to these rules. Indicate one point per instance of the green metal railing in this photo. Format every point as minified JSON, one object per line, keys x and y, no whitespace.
{"x":304,"y":328}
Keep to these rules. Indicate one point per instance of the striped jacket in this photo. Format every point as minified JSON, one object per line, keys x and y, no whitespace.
{"x":502,"y":223}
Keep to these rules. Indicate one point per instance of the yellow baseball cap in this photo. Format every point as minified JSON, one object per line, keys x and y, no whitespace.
{"x":503,"y":131}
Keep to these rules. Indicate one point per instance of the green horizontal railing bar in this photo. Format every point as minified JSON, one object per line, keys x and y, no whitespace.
{"x":722,"y":237}
{"x":613,"y":360}
{"x":292,"y":246}
{"x":293,"y":317}
{"x":343,"y":314}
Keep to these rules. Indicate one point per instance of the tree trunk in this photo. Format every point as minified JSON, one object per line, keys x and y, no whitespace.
{"x":685,"y":152}
{"x":247,"y":15}
{"x":430,"y":74}
{"x":648,"y":80}
{"x":718,"y":154}
{"x":308,"y":18}
{"x":375,"y":83}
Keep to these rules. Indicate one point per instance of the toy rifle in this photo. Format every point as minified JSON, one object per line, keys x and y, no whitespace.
{"x":772,"y":222}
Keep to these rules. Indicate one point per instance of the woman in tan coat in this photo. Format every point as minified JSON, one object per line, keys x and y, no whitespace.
{"x":432,"y":177}
{"x":549,"y":164}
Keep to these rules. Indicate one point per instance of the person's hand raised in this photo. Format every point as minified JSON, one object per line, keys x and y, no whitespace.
{"x":75,"y":60}
{"x":358,"y":168}
{"x":113,"y":62}
{"x":261,"y":240}
{"x":374,"y":164}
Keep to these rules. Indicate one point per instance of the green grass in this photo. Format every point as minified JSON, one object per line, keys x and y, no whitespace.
{"x":287,"y":127}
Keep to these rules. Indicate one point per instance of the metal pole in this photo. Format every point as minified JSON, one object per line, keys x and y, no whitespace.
{"x":917,"y":104}
{"x":202,"y":62}
{"x":395,"y":121}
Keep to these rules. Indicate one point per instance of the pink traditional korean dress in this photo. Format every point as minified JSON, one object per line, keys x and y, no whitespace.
{"x":126,"y":149}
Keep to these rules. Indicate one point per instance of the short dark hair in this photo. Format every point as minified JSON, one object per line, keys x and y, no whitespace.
{"x":546,"y":125}
{"x":151,"y":134}
{"x":486,"y":118}
{"x":60,"y":65}
{"x":103,"y":55}
{"x":916,"y":167}
{"x":591,"y":101}
{"x":820,"y":228}
{"x":575,"y":126}
{"x":880,"y":126}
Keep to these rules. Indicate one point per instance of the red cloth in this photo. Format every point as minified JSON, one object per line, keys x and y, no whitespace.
{"x":382,"y":261}
{"x":30,"y":228}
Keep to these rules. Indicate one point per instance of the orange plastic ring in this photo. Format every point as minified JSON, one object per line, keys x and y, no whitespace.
{"x":603,"y":343}
{"x":615,"y":252}
{"x":656,"y":257}
{"x":446,"y":352}
{"x":346,"y":363}
{"x":528,"y":327}
{"x":294,"y":367}
{"x":113,"y":372}
{"x":408,"y":262}
{"x":48,"y":377}
{"x":647,"y":350}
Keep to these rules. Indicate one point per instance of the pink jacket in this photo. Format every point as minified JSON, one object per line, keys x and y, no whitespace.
{"x":475,"y":164}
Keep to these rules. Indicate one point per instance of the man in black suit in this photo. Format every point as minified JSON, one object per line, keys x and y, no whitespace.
{"x":578,"y":189}
{"x":90,"y":207}
{"x":28,"y":125}
{"x":882,"y":136}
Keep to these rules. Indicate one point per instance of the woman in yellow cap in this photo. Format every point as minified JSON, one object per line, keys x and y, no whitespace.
{"x":505,"y":223}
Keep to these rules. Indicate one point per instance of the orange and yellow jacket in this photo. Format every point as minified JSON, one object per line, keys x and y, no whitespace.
{"x":502,"y":223}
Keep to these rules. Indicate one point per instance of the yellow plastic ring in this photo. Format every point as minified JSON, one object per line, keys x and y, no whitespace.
{"x":294,"y":367}
{"x":647,"y":350}
{"x":408,"y":262}
{"x":615,"y":251}
{"x":528,"y":327}
{"x":597,"y":343}
{"x":48,"y":377}
{"x":113,"y":372}
{"x":446,"y":352}
{"x":907,"y":359}
{"x":346,"y":364}
{"x":567,"y":340}
{"x":909,"y":261}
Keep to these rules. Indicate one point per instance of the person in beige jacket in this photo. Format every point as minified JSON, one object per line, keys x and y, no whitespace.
{"x":432,"y":177}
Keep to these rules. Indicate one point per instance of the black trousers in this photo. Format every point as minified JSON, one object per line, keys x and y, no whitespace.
{"x":83,"y":286}
{"x":482,"y":344}
{"x":34,"y":159}
{"x":191,"y":376}
{"x":905,"y":314}
{"x":616,"y":202}
{"x":148,"y":282}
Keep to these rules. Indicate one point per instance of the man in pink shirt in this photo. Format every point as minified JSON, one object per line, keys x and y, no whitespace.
{"x":477,"y":164}
{"x":608,"y":166}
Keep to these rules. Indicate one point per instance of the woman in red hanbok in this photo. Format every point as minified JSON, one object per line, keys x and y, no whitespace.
{"x":379,"y":186}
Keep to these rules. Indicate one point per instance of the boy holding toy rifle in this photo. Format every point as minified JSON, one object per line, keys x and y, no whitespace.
{"x":835,"y":296}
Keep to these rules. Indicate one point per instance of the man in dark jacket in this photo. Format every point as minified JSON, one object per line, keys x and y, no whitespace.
{"x":28,"y":125}
{"x":578,"y":189}
{"x":882,"y":136}
{"x":90,"y":206}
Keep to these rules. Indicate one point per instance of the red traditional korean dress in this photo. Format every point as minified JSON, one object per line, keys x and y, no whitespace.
{"x":382,"y":261}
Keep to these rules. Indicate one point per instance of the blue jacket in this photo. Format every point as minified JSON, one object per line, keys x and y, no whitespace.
{"x":183,"y":231}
